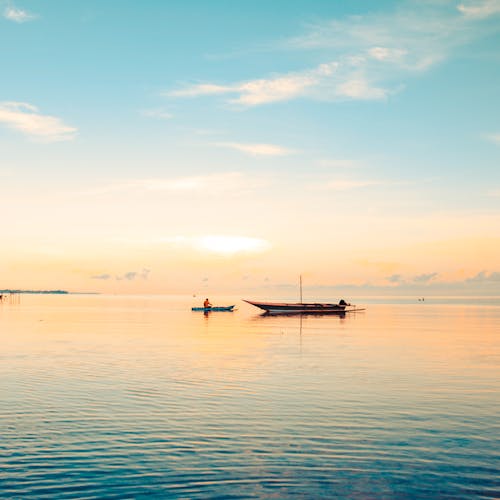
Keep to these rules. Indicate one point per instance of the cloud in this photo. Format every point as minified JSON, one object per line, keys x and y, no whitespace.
{"x":480,"y":10}
{"x":257,"y":149}
{"x":422,"y":279}
{"x":253,"y":92}
{"x":360,"y":89}
{"x":130,"y":275}
{"x":411,"y":38}
{"x":327,"y":81}
{"x":220,"y":244}
{"x":493,"y":138}
{"x":229,"y":183}
{"x":366,"y":57}
{"x":101,"y":277}
{"x":263,"y":91}
{"x":425,"y":278}
{"x":346,"y":185}
{"x":201,"y":89}
{"x":17,"y":15}
{"x":387,"y":54}
{"x":484,"y":277}
{"x":395,"y":278}
{"x":25,"y":118}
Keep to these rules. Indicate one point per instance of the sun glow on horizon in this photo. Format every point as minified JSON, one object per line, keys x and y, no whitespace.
{"x":229,"y":245}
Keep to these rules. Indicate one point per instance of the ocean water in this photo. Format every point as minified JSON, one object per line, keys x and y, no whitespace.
{"x":138,"y":397}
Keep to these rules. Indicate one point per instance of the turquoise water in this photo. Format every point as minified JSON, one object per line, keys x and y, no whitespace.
{"x":133,"y":397}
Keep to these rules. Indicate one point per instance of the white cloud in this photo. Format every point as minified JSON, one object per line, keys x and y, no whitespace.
{"x":253,"y":92}
{"x":360,"y":89}
{"x":480,"y":10}
{"x":257,"y":149}
{"x":414,"y":36}
{"x":213,"y":184}
{"x":369,"y":56}
{"x":345,"y":185}
{"x":220,"y":244}
{"x":493,"y":138}
{"x":201,"y":89}
{"x":387,"y":54}
{"x":26,"y":118}
{"x":327,"y":81}
{"x":264,"y":91}
{"x":17,"y":15}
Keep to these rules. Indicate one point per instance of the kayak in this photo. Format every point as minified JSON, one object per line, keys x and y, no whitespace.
{"x":213,"y":308}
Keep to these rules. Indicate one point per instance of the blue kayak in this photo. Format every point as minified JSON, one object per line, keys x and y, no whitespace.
{"x":213,"y":308}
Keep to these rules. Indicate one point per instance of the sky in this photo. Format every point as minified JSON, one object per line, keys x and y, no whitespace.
{"x":214,"y":147}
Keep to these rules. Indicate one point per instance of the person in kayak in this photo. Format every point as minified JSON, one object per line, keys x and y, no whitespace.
{"x":206,"y":304}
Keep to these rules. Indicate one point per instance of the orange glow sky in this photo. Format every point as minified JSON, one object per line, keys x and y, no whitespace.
{"x":238,"y":154}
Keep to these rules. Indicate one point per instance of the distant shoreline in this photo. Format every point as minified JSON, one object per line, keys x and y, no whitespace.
{"x":58,"y":292}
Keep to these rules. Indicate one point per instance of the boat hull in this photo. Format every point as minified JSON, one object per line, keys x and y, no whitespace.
{"x":298,"y":308}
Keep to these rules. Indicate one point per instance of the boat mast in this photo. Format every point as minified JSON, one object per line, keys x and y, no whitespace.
{"x":300,"y":282}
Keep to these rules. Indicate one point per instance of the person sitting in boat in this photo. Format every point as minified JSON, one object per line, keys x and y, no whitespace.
{"x":206,"y":304}
{"x":342,"y":302}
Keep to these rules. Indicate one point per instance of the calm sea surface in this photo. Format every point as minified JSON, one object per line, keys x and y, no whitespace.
{"x":134,"y":397}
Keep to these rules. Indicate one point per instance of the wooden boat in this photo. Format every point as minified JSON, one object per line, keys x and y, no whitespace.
{"x":213,"y":308}
{"x":300,"y":307}
{"x":304,"y":307}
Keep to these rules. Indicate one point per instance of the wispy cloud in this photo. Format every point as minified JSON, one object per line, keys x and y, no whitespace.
{"x":220,"y":244}
{"x":485,"y":277}
{"x":368,"y":57}
{"x":347,"y":184}
{"x":257,"y":149}
{"x":201,"y":89}
{"x":395,"y":278}
{"x":425,"y":278}
{"x":493,"y":138}
{"x":233,"y":182}
{"x":330,"y":81}
{"x":480,"y":10}
{"x":17,"y":15}
{"x":25,"y":118}
{"x":422,"y":279}
{"x":129,"y":275}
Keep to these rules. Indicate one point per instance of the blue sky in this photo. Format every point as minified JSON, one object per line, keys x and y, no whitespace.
{"x":289,"y":123}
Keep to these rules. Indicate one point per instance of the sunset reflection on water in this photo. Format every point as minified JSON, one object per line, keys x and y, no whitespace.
{"x":138,"y":395}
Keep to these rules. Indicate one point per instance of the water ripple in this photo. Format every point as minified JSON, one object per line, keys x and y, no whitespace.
{"x":131,"y":400}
